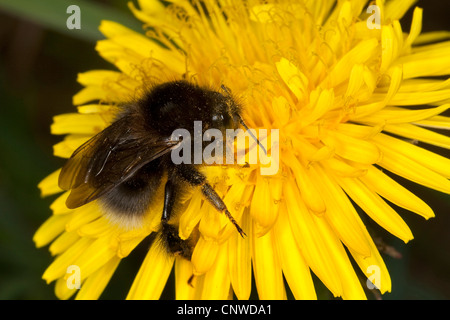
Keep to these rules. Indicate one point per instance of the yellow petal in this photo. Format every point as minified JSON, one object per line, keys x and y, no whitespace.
{"x":50,"y":229}
{"x":432,"y":37}
{"x":358,"y":150}
{"x":58,"y":267}
{"x":428,"y":60}
{"x":183,"y":274}
{"x":125,"y":247}
{"x":431,"y":160}
{"x":321,"y":101}
{"x":412,"y":170}
{"x":282,"y":108}
{"x":389,"y":189}
{"x":191,"y":216}
{"x":412,"y":131}
{"x":346,"y":15}
{"x":89,"y":94}
{"x":83,"y":215}
{"x":113,"y":86}
{"x":263,"y":209}
{"x":152,"y":275}
{"x":310,"y":240}
{"x":416,"y":26}
{"x":294,"y":267}
{"x":417,"y":98}
{"x":216,"y":282}
{"x":391,"y":115}
{"x":341,"y":214}
{"x":374,"y":267}
{"x":63,"y":242}
{"x":93,"y":287}
{"x":343,"y":169}
{"x":49,"y":185}
{"x":359,"y":54}
{"x":95,"y":256}
{"x":153,"y":7}
{"x":395,"y":10}
{"x":296,"y":81}
{"x":65,"y":148}
{"x":204,"y":255}
{"x":390,"y":47}
{"x":437,"y":122}
{"x":376,"y":208}
{"x":355,"y":81}
{"x":267,"y":268}
{"x":96,"y":228}
{"x":96,"y":108}
{"x":99,"y":78}
{"x":364,"y":109}
{"x":62,"y":290}
{"x":239,"y":257}
{"x":309,"y":192}
{"x":141,"y":45}
{"x":59,"y":205}
{"x":351,"y":285}
{"x":264,"y":13}
{"x":414,"y":85}
{"x":74,"y":123}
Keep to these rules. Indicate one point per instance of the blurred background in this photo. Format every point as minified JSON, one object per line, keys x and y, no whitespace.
{"x":39,"y":62}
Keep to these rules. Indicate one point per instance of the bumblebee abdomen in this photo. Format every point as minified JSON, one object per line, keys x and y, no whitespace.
{"x":131,"y":199}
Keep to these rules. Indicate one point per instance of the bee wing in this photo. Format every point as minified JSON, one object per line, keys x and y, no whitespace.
{"x":80,"y":165}
{"x":106,"y":160}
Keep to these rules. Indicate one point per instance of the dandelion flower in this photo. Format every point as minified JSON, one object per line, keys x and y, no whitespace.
{"x":347,"y":93}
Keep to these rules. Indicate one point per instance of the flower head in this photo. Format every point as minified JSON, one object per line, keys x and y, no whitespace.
{"x":346,"y":96}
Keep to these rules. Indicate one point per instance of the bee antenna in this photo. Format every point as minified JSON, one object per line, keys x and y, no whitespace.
{"x":226,"y":89}
{"x":241,"y":121}
{"x":239,"y":118}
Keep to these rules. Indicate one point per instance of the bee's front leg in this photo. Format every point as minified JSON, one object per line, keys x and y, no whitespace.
{"x":191,"y":175}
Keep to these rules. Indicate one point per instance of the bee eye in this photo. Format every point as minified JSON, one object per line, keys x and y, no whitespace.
{"x":217,"y":117}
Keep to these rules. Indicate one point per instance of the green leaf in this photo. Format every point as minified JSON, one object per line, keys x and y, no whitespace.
{"x":53,"y":14}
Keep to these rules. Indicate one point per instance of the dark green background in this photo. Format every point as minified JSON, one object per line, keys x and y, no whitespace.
{"x":39,"y":62}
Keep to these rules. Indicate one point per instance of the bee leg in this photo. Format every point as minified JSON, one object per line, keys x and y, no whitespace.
{"x":170,"y":235}
{"x":212,"y":196}
{"x":191,"y":175}
{"x":169,"y":201}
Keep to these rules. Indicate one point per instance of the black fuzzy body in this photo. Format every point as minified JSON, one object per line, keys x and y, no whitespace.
{"x":178,"y":104}
{"x":126,"y":164}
